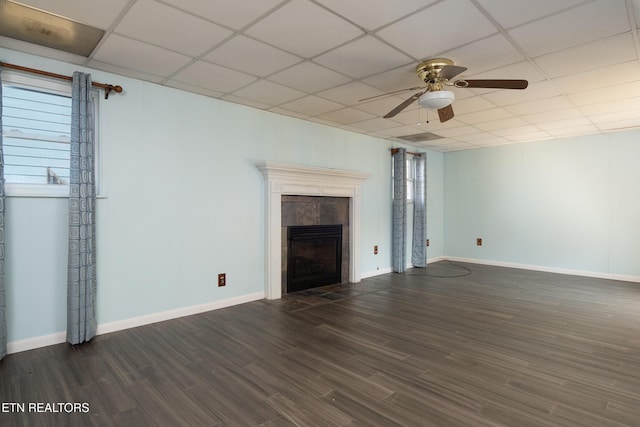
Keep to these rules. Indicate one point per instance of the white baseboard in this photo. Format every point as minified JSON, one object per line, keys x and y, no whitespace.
{"x":390,"y":269}
{"x":105,"y":328}
{"x":36,"y":342}
{"x":133,"y":322}
{"x":568,"y":271}
{"x":436,"y":259}
{"x":376,"y":273}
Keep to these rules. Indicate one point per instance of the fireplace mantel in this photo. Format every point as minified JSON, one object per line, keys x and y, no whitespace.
{"x":298,"y":180}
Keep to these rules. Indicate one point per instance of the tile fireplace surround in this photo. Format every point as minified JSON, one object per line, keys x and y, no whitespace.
{"x":297,"y":180}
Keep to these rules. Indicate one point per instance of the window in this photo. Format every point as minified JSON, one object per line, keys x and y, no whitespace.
{"x":36,"y":127}
{"x":410,"y":175}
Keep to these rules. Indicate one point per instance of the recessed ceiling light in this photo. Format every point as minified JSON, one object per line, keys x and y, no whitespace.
{"x":28,"y":24}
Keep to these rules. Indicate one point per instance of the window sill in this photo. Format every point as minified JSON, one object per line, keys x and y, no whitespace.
{"x":39,"y":190}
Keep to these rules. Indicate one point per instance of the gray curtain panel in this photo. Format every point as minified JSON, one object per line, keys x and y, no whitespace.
{"x":3,"y":304}
{"x":419,"y":245}
{"x":81,"y":276}
{"x":399,"y":226}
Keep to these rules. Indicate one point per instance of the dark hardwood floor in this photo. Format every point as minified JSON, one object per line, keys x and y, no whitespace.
{"x":491,"y":346}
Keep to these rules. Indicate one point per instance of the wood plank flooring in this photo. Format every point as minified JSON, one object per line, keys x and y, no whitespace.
{"x":482,"y":346}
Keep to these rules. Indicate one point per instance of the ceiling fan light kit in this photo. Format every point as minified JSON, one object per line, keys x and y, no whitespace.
{"x":436,"y":100}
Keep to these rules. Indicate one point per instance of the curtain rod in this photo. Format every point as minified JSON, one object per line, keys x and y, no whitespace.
{"x":395,"y":150}
{"x":107,"y":88}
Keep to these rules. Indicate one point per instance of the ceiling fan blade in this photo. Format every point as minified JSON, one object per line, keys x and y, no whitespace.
{"x":492,"y":84}
{"x":445,"y":113}
{"x":392,"y":93}
{"x":450,"y":71}
{"x":403,"y":105}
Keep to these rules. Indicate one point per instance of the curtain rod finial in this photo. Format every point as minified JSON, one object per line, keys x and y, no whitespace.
{"x":109,"y":88}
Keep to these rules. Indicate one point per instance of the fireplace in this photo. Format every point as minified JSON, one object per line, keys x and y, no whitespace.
{"x":282,"y":179}
{"x":314,"y":256}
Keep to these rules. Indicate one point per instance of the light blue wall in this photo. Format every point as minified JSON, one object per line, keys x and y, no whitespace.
{"x":183,"y":202}
{"x":568,"y":204}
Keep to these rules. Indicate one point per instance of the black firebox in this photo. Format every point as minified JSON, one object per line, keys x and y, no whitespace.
{"x":314,"y":256}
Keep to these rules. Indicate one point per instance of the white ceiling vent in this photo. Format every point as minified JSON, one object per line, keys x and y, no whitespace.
{"x":420,"y":137}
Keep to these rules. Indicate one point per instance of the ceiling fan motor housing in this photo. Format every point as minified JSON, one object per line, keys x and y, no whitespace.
{"x":429,"y":70}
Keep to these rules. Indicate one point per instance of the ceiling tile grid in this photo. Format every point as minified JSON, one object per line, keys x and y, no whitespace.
{"x":323,"y":60}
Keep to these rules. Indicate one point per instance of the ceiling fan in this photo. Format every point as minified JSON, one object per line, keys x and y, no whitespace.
{"x":437,"y":73}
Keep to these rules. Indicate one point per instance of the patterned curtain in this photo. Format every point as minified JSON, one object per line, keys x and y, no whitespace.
{"x":399,"y":226}
{"x":419,"y":241}
{"x":3,"y":304}
{"x":81,"y":276}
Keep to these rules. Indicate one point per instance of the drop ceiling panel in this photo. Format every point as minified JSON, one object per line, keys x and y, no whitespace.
{"x":268,"y":93}
{"x":619,"y":74}
{"x":572,"y":131}
{"x":285,"y":112}
{"x":487,"y":54}
{"x":564,"y":124}
{"x":140,"y":57}
{"x":621,"y":105}
{"x":456,"y":146}
{"x":515,"y":131}
{"x":309,"y":77}
{"x":116,"y":69}
{"x":375,"y":124}
{"x":620,"y":125}
{"x":214,"y":77}
{"x":364,"y":57}
{"x":304,"y":28}
{"x":238,"y":100}
{"x":251,"y":56}
{"x":511,"y":122}
{"x":404,"y":130}
{"x":195,"y":89}
{"x":399,"y":78}
{"x":346,"y":116}
{"x":528,"y":137}
{"x":312,"y":105}
{"x":235,"y":15}
{"x":495,"y":140}
{"x":380,"y":106}
{"x":351,"y":93}
{"x":510,"y":13}
{"x":606,"y":94}
{"x":477,"y":138}
{"x":164,"y":26}
{"x":612,"y":117}
{"x":426,"y":117}
{"x":567,"y":29}
{"x":457,"y":131}
{"x":473,"y":104}
{"x":484,"y":116}
{"x":612,"y":50}
{"x":439,"y":29}
{"x":377,"y":12}
{"x":551,"y":116}
{"x":549,"y":104}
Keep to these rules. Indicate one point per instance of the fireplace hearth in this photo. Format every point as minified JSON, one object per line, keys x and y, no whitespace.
{"x":314,"y":256}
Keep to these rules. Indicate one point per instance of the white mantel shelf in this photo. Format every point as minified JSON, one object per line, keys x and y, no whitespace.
{"x":287,"y":179}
